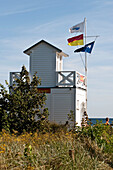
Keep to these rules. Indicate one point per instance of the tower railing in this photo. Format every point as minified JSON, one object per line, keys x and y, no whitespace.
{"x":70,"y":79}
{"x":13,"y":76}
{"x":65,"y":78}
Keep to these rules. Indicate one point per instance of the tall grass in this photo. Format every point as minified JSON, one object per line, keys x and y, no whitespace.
{"x":61,"y":150}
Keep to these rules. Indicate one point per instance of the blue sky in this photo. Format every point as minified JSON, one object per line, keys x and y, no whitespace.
{"x":25,"y":22}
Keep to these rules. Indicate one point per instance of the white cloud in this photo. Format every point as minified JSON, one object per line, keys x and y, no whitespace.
{"x":18,"y":8}
{"x":18,"y":11}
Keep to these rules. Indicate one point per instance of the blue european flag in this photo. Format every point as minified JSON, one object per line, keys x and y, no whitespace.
{"x":87,"y":48}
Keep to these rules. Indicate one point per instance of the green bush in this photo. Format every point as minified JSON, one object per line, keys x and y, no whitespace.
{"x":22,"y":109}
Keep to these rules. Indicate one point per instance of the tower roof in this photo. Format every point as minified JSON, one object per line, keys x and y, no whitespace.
{"x":28,"y":51}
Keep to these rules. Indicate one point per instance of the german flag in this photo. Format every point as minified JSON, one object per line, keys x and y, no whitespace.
{"x":74,"y":41}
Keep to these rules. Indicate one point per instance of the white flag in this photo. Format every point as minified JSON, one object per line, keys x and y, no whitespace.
{"x":77,"y":28}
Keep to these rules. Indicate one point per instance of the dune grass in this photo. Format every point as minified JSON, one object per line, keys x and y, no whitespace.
{"x":61,"y":150}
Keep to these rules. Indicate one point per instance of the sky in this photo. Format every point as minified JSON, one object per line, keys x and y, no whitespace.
{"x":25,"y":22}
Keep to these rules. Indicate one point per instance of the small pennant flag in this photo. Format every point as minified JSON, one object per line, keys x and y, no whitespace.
{"x":81,"y":78}
{"x":87,"y":48}
{"x":77,"y":40}
{"x":77,"y":28}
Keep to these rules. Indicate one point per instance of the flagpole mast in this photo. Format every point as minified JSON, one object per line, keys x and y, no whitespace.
{"x":85,"y":67}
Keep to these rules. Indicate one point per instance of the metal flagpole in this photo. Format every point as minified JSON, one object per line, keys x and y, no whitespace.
{"x":85,"y":68}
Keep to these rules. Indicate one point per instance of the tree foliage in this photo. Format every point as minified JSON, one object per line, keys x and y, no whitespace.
{"x":3,"y":108}
{"x":23,"y":106}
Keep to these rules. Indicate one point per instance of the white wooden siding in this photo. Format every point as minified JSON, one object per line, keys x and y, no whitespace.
{"x":80,"y":102}
{"x":60,"y":104}
{"x":61,"y":101}
{"x":62,"y":107}
{"x":43,"y":61}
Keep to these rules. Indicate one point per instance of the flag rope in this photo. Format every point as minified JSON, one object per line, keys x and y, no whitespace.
{"x":82,"y":60}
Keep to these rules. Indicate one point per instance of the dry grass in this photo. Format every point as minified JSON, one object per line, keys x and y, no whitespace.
{"x":55,"y":151}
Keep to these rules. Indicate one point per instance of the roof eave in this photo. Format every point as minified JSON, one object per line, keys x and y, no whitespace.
{"x":29,"y":50}
{"x":64,"y":54}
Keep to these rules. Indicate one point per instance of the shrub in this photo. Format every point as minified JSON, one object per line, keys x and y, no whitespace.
{"x":23,"y":107}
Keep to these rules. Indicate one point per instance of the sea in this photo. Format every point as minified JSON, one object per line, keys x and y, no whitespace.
{"x":103,"y":120}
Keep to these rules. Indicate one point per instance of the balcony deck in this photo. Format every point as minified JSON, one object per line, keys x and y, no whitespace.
{"x":70,"y":79}
{"x":63,"y":79}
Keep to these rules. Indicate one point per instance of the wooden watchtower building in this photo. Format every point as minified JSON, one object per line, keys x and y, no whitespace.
{"x":65,"y":89}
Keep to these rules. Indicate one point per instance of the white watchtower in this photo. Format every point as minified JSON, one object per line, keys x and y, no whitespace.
{"x":65,"y":89}
{"x":45,"y":59}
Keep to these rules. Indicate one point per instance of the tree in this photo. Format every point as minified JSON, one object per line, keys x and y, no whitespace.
{"x":3,"y":108}
{"x":25,"y":105}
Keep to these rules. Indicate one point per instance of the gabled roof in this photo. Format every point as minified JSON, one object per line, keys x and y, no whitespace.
{"x":27,"y":50}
